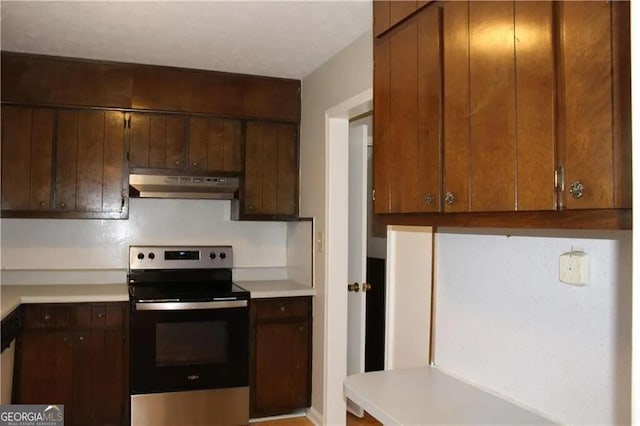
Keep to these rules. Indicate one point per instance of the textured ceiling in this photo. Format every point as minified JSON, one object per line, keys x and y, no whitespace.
{"x":283,"y":38}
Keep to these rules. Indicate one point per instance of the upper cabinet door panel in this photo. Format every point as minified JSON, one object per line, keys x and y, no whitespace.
{"x":400,"y":9}
{"x":492,"y":94}
{"x":535,"y":105}
{"x":271,"y":98}
{"x":456,"y":142}
{"x":215,"y":144}
{"x":382,"y":175}
{"x":589,"y":134}
{"x":16,"y":157}
{"x":381,"y":18}
{"x":173,"y":89}
{"x":45,"y":80}
{"x":429,"y":110}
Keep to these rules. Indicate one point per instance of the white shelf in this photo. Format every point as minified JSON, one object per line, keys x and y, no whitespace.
{"x":427,"y":396}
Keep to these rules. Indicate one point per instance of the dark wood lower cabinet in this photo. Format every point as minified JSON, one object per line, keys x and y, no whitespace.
{"x":281,"y":353}
{"x":76,"y":355}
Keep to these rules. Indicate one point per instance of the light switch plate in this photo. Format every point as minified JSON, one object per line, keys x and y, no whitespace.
{"x":574,"y":267}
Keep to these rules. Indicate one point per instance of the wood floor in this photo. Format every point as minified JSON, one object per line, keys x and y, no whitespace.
{"x":352,"y":420}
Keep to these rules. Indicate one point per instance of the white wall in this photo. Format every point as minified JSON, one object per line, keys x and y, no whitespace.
{"x":345,"y":75}
{"x":300,"y":252}
{"x":506,"y":323}
{"x":408,"y":296}
{"x":65,"y":244}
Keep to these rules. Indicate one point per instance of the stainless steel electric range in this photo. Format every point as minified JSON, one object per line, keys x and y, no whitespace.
{"x":189,"y":337}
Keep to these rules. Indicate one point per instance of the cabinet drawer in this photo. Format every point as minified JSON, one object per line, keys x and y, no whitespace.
{"x":282,"y":308}
{"x":46,"y":316}
{"x":76,"y":315}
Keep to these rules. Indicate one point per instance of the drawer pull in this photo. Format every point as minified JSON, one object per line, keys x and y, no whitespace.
{"x":100,"y":315}
{"x":282,"y":308}
{"x":81,"y":338}
{"x":47,"y":317}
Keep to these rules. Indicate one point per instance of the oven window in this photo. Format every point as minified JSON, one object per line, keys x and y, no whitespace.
{"x":191,"y":343}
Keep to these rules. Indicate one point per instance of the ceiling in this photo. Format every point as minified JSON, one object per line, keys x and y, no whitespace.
{"x":276,"y":38}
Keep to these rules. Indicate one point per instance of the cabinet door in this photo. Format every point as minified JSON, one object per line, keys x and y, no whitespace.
{"x":408,"y":116}
{"x":27,"y":143}
{"x":596,"y":144}
{"x":157,"y":141}
{"x":46,"y":368}
{"x":282,"y":375}
{"x":107,"y":373}
{"x":271,"y":169}
{"x":215,"y":144}
{"x":90,"y":161}
{"x":498,"y":110}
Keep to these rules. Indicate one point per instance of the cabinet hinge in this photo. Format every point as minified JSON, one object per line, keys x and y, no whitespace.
{"x":558,"y":179}
{"x":128,"y":157}
{"x":373,"y":195}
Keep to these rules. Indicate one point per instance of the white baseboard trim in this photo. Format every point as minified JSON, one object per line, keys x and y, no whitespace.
{"x":315,"y":416}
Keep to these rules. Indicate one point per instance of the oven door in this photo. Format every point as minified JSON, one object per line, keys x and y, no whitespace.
{"x":189,"y":346}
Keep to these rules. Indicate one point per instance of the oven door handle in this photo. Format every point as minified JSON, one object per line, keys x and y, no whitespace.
{"x":188,"y":306}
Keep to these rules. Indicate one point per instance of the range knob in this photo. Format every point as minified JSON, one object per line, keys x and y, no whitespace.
{"x":152,"y":255}
{"x":223,"y":255}
{"x":212,"y":255}
{"x":140,"y":256}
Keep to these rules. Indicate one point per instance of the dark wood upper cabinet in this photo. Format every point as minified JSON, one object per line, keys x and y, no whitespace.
{"x":157,"y":141}
{"x":215,"y":144}
{"x":87,"y":177}
{"x":27,"y":145}
{"x":270,"y":187}
{"x":487,"y":107}
{"x":175,"y":89}
{"x":407,"y":121}
{"x":57,"y":81}
{"x":595,"y":93}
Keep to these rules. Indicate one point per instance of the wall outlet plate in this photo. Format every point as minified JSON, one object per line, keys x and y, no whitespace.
{"x":574,"y":267}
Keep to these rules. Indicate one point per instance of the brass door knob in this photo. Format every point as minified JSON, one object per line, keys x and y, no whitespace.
{"x":366,"y":287}
{"x":353,"y":287}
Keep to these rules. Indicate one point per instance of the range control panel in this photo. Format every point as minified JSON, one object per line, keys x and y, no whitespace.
{"x":178,"y":257}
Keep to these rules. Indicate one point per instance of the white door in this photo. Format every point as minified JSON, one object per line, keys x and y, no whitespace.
{"x":357,"y":253}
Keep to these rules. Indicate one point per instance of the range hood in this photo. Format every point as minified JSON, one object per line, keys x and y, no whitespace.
{"x":190,"y":187}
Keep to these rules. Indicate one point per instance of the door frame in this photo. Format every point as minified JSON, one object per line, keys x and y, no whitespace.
{"x":336,"y":249}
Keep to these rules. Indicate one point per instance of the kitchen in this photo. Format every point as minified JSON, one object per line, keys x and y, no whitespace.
{"x":339,"y":79}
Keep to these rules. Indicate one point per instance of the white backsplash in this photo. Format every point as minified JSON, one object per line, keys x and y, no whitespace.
{"x":54,"y":246}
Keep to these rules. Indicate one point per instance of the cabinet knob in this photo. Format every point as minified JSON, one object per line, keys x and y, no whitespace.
{"x":65,"y":339}
{"x":100,"y":315}
{"x":251,"y":207}
{"x":177,"y":162}
{"x":428,"y":199}
{"x":301,"y":328}
{"x":449,"y":198}
{"x":81,"y":338}
{"x":194,"y":164}
{"x":42,"y":203}
{"x":282,"y":308}
{"x":63,"y":205}
{"x":47,"y":317}
{"x":576,"y":189}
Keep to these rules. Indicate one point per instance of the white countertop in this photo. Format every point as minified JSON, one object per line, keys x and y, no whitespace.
{"x":13,"y":295}
{"x":425,"y":396}
{"x":276,"y":288}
